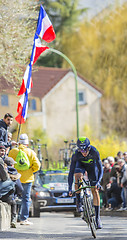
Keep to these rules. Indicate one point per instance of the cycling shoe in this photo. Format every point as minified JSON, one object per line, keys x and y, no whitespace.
{"x":98,"y":224}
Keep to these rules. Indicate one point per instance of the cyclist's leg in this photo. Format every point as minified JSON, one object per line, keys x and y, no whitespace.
{"x":78,"y":175}
{"x":96,"y":203}
{"x":96,"y":197}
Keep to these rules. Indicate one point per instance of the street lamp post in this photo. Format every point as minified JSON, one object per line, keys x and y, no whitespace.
{"x":76,"y":84}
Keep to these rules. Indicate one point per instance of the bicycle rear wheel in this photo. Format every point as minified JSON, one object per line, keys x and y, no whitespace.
{"x":89,"y":215}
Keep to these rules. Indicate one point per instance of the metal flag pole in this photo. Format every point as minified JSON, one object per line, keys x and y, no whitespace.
{"x":76,"y":83}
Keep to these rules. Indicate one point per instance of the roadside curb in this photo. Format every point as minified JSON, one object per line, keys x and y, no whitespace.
{"x":114,"y":213}
{"x":5,"y":216}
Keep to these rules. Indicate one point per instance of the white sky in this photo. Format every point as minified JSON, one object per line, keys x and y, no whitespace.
{"x":95,"y":6}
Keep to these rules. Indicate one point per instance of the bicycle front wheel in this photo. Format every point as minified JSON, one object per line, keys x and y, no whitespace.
{"x":89,"y":214}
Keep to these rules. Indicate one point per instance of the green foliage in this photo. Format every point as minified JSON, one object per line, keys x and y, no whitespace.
{"x":41,"y":135}
{"x":109,"y":146}
{"x":99,"y":52}
{"x":87,"y":131}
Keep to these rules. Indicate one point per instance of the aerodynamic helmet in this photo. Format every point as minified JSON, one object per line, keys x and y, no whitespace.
{"x":83,"y":143}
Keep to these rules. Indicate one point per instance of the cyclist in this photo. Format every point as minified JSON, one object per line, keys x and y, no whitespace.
{"x":86,"y":159}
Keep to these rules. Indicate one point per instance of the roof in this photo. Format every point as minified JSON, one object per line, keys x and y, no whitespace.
{"x":45,"y":78}
{"x":6,"y":86}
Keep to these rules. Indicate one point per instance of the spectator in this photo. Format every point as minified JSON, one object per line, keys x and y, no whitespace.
{"x":121,"y":164}
{"x":114,"y":193}
{"x":6,"y":190}
{"x":5,"y":123}
{"x":111,"y":161}
{"x":9,"y":161}
{"x":116,"y":159}
{"x":103,"y":161}
{"x":2,"y":151}
{"x":125,"y":156}
{"x":18,"y":186}
{"x":122,"y":169}
{"x":15,"y":177}
{"x":27,"y":176}
{"x":9,"y":142}
{"x":105,"y":181}
{"x":114,"y":169}
{"x":119,"y":155}
{"x":9,"y":136}
{"x":124,"y":186}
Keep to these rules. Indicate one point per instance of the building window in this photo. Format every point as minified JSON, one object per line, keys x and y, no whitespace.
{"x":82,"y":98}
{"x":4,"y":100}
{"x":32,"y":104}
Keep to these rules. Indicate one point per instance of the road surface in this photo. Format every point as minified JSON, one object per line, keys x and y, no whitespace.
{"x":63,"y":226}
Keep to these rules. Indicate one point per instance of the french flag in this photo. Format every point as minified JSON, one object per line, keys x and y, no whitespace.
{"x":46,"y":32}
{"x":38,"y":48}
{"x":22,"y":108}
{"x":44,"y":27}
{"x":27,"y":81}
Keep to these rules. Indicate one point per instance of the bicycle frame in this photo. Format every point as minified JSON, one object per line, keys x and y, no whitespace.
{"x":88,"y":212}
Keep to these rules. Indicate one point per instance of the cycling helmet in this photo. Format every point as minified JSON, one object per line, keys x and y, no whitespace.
{"x":83,"y":143}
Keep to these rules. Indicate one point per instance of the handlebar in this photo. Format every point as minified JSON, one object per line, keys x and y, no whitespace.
{"x":87,"y":182}
{"x":83,"y":188}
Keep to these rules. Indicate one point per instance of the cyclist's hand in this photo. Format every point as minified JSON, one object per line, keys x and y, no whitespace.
{"x":70,"y":193}
{"x":98,"y":186}
{"x":13,"y":143}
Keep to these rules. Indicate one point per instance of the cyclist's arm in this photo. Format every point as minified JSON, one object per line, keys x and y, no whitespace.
{"x":71,"y":172}
{"x":100,"y":168}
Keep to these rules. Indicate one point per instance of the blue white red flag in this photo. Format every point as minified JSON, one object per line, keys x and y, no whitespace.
{"x":46,"y":32}
{"x":38,"y":48}
{"x":22,"y":108}
{"x":44,"y":27}
{"x":27,"y":81}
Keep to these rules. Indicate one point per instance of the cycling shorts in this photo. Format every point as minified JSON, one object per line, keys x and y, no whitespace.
{"x":91,"y":169}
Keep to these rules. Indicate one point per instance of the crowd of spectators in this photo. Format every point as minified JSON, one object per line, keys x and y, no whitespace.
{"x":114,"y":182}
{"x":16,"y":184}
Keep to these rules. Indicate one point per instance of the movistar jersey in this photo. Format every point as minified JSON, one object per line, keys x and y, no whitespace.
{"x":91,"y":163}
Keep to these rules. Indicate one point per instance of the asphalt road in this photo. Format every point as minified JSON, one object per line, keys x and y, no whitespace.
{"x":63,"y":226}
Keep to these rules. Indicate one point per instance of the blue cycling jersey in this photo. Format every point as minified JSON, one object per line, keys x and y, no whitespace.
{"x":91,"y":163}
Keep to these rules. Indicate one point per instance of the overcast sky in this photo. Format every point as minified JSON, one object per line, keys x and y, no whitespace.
{"x":95,"y":6}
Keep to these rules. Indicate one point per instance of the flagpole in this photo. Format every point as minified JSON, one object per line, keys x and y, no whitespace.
{"x":76,"y":83}
{"x":18,"y":132}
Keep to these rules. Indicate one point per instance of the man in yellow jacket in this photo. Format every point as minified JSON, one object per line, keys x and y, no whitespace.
{"x":27,"y":176}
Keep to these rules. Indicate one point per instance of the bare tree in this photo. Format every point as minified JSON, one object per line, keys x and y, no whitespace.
{"x":18,"y":21}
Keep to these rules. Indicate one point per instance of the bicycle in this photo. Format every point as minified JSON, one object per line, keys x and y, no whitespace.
{"x":66,"y":153}
{"x":88,"y":211}
{"x":37,"y":146}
